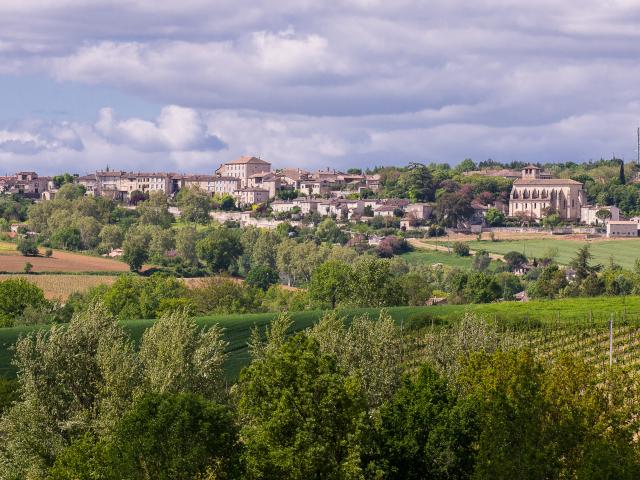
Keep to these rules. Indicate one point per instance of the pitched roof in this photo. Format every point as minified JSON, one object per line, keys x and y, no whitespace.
{"x":545,"y":181}
{"x":246,"y":159}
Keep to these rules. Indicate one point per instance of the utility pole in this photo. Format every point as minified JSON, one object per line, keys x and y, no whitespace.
{"x":638,"y":149}
{"x":611,"y":340}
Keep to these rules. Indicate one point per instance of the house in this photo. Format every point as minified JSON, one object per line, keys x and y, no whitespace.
{"x":622,"y":228}
{"x":385,"y":211}
{"x":251,"y":196}
{"x":306,"y":205}
{"x":588,"y":214}
{"x":243,"y":168}
{"x":280,"y":206}
{"x":316,"y":187}
{"x":267,"y":181}
{"x":421,"y":211}
{"x":535,"y":193}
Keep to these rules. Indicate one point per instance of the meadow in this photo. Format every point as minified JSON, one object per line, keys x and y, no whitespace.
{"x":430,"y":257}
{"x":624,"y":252}
{"x":534,"y":316}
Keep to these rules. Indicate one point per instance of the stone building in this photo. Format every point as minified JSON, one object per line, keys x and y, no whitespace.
{"x":535,"y":194}
{"x":243,"y":168}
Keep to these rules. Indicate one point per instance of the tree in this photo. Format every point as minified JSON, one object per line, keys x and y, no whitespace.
{"x":219,"y":249}
{"x":424,"y":432}
{"x":495,"y":217}
{"x":372,"y":284}
{"x":621,"y":177}
{"x":135,"y":249}
{"x":328,"y":283}
{"x":194,"y":204}
{"x":155,"y":211}
{"x":186,"y":239}
{"x":111,"y":237}
{"x":453,"y":208}
{"x":481,"y":260}
{"x":481,"y":288}
{"x":515,"y":260}
{"x":70,"y":191}
{"x":60,"y":180}
{"x":580,"y":263}
{"x":172,"y":436}
{"x":262,"y":277}
{"x":302,"y":416}
{"x":603,"y":215}
{"x":328,"y":231}
{"x":467,"y":165}
{"x":28,"y":247}
{"x":417,"y":182}
{"x":68,"y":238}
{"x":550,"y":282}
{"x":178,"y":356}
{"x":224,"y":295}
{"x":18,"y":294}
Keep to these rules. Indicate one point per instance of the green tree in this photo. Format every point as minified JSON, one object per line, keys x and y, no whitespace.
{"x":111,"y":237}
{"x":262,"y":277}
{"x":373,"y":284}
{"x":28,"y":247}
{"x":186,"y":239}
{"x":70,"y":191}
{"x":549,"y":284}
{"x":482,"y":288}
{"x":302,"y":416}
{"x":219,"y":249}
{"x":424,"y":432}
{"x":461,"y":249}
{"x":155,"y":210}
{"x":515,"y":260}
{"x":136,"y":249}
{"x":16,"y":295}
{"x":580,"y":263}
{"x":328,"y":231}
{"x":328,"y":283}
{"x":417,"y":182}
{"x":495,"y":217}
{"x":194,"y":204}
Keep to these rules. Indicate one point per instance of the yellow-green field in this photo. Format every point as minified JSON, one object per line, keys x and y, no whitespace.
{"x":61,"y":286}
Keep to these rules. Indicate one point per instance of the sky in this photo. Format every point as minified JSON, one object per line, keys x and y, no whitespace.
{"x":186,"y":85}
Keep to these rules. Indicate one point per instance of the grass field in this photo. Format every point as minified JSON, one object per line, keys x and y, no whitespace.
{"x":11,"y":261}
{"x":565,"y":313}
{"x":624,"y":251}
{"x":429,"y":257}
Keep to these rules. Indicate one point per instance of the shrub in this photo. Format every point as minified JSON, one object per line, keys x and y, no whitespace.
{"x":48,"y":253}
{"x":28,"y":267}
{"x":27,"y":246}
{"x":461,"y":249}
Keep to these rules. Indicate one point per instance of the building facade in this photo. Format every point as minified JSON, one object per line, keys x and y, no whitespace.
{"x":243,"y":168}
{"x":534,"y":195}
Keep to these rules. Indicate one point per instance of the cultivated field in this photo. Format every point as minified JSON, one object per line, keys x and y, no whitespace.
{"x":550,"y":323}
{"x":11,"y":261}
{"x":60,"y":286}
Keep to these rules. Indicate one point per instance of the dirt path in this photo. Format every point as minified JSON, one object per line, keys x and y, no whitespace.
{"x":420,"y":245}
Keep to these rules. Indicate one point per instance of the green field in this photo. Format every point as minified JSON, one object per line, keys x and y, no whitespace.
{"x":623,"y":252}
{"x":429,"y":257}
{"x":577,"y":311}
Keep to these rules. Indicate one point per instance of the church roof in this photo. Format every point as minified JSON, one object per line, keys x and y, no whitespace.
{"x":545,"y":181}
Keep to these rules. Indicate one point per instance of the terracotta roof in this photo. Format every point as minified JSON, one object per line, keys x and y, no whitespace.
{"x":545,"y":181}
{"x":246,"y":159}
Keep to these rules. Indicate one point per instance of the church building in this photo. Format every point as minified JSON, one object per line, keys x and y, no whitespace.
{"x":536,"y":193}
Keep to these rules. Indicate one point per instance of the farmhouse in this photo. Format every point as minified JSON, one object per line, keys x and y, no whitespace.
{"x":535,"y":194}
{"x":588,"y":214}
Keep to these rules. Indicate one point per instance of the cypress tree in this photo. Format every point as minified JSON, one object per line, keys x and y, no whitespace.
{"x":622,"y":178}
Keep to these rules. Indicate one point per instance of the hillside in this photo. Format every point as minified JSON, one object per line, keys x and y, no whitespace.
{"x":581,"y":313}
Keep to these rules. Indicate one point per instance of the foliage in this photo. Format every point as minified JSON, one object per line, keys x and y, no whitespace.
{"x":219,"y":249}
{"x":262,"y":277}
{"x":17,"y":295}
{"x":461,"y":249}
{"x":301,"y":417}
{"x":28,"y":247}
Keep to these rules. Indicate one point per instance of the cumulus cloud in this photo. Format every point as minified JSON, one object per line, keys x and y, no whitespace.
{"x":31,"y":138}
{"x":358,"y":81}
{"x":176,"y":129}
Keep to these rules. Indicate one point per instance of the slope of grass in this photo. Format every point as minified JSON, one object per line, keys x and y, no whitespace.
{"x":624,"y":252}
{"x":237,"y":329}
{"x":429,"y":257}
